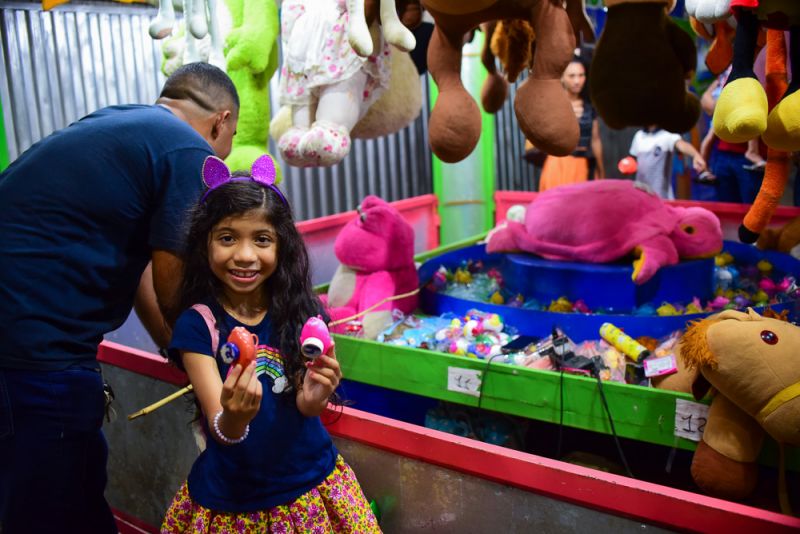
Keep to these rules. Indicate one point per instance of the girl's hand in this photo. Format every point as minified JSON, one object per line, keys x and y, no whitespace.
{"x":240,"y":399}
{"x":321,"y":379}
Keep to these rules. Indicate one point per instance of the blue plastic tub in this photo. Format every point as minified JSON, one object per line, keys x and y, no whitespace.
{"x":607,"y":286}
{"x":582,"y":327}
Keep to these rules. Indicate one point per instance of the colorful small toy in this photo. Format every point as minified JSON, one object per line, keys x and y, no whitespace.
{"x":315,"y":339}
{"x":623,"y":342}
{"x":240,"y":349}
{"x":627,"y":165}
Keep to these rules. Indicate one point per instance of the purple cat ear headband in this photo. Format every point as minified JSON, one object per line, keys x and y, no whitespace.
{"x":216,"y":173}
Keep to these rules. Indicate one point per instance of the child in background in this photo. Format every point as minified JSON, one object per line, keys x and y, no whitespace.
{"x":269,"y":464}
{"x":653,"y":149}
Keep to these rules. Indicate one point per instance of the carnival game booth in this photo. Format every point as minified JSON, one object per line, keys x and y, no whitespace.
{"x":421,"y":478}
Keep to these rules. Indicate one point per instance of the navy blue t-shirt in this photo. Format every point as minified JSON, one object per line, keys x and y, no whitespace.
{"x":80,"y":213}
{"x":286,"y":453}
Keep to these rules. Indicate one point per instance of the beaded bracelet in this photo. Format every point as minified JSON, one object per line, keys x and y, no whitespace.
{"x":225,"y":439}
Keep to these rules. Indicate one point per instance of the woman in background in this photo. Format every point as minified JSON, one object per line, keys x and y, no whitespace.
{"x":586,"y":161}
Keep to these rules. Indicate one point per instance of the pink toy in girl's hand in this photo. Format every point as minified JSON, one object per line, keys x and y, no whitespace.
{"x":240,"y":348}
{"x":315,"y":340}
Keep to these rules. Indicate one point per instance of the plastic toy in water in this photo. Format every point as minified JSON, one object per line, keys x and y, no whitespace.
{"x":315,"y":339}
{"x":240,"y":347}
{"x":623,"y":342}
{"x":627,"y":165}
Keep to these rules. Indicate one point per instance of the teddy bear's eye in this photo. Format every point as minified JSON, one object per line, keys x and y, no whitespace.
{"x":688,"y":229}
{"x":770,"y":338}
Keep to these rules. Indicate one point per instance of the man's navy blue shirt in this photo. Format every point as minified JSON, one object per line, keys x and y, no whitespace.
{"x":80,"y":213}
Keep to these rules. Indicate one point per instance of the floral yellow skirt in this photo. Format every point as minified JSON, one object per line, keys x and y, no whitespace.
{"x":336,"y":505}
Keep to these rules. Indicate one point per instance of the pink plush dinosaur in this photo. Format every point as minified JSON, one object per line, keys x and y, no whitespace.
{"x":602,"y":221}
{"x":376,"y":251}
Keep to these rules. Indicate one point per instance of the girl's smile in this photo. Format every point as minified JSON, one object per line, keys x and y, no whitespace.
{"x":242,"y":254}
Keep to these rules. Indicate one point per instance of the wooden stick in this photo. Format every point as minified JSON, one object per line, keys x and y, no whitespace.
{"x":156,"y":405}
{"x":187,"y":389}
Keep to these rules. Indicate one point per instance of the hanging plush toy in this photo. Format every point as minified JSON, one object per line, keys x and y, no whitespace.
{"x":640,"y":67}
{"x":741,"y":112}
{"x":543,"y":110}
{"x":201,"y":18}
{"x":512,"y":43}
{"x":745,"y":110}
{"x":396,"y":108}
{"x":720,"y":36}
{"x":250,"y":32}
{"x":325,"y":81}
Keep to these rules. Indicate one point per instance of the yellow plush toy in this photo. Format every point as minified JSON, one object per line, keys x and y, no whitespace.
{"x":745,"y":110}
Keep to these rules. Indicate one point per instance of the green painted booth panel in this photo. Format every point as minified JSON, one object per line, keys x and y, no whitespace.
{"x":639,"y":413}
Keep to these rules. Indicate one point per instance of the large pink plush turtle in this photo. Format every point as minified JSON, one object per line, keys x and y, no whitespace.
{"x":605,"y":220}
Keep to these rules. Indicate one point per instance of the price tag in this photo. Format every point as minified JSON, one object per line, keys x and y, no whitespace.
{"x":690,"y":419}
{"x":464,"y":381}
{"x":660,"y":366}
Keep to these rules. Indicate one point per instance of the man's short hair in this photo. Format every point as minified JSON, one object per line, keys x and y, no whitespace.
{"x":202,"y":83}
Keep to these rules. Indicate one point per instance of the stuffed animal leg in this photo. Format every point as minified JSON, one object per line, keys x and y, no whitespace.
{"x":541,"y":105}
{"x":741,"y":110}
{"x":393,"y":30}
{"x":327,"y":84}
{"x":326,"y":140}
{"x":776,"y":173}
{"x":495,"y":87}
{"x":640,"y":67}
{"x":724,"y":464}
{"x":162,"y":25}
{"x":200,"y":19}
{"x":783,"y":122}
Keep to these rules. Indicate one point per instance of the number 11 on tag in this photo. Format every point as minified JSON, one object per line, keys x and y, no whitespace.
{"x":464,"y":380}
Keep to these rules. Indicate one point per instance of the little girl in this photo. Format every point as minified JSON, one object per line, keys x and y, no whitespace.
{"x":269,"y":464}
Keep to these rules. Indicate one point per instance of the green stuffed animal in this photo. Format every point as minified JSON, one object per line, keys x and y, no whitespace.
{"x":250,"y":29}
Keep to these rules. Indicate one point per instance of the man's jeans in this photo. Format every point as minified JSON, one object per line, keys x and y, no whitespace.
{"x":53,"y":453}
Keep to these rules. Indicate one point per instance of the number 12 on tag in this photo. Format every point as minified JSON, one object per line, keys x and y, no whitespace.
{"x":690,"y":419}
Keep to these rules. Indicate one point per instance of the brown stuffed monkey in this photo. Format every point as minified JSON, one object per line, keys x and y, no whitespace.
{"x":542,"y":107}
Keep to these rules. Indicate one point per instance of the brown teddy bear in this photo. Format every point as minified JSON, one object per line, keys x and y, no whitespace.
{"x":782,"y":239}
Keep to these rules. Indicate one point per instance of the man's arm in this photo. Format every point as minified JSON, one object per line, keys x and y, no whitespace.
{"x":156,"y":299}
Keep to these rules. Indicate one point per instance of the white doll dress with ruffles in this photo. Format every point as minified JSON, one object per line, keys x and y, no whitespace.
{"x":316,"y":52}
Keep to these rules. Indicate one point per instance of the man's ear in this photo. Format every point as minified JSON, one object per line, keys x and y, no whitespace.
{"x":219,"y":120}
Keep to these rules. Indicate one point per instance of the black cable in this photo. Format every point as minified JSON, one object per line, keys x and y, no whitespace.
{"x":596,"y":374}
{"x":561,"y":414}
{"x":484,"y":376}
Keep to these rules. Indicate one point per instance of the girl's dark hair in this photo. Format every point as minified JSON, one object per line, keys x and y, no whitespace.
{"x":288,"y":291}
